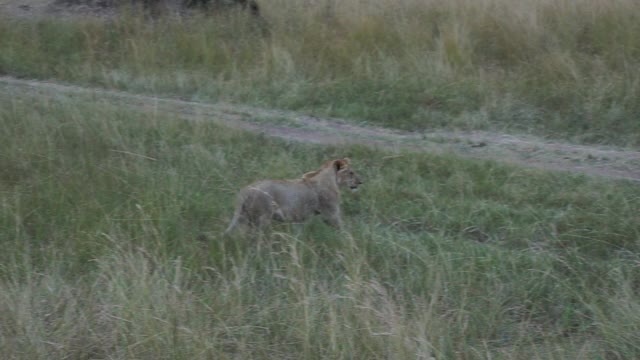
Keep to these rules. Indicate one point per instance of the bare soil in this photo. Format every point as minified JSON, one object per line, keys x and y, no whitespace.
{"x":54,"y":8}
{"x":605,"y":162}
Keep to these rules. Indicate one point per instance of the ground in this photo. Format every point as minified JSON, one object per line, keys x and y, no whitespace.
{"x":39,"y":8}
{"x":607,"y":162}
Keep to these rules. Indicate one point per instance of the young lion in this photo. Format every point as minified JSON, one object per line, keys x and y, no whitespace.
{"x":317,"y":192}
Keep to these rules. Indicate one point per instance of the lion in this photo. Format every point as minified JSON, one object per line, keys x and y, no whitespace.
{"x":295,"y":201}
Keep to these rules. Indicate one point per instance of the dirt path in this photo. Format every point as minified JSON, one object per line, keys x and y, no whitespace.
{"x":521,"y":150}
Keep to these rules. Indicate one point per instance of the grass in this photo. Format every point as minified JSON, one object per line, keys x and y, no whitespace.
{"x":102,"y":208}
{"x":561,"y":69}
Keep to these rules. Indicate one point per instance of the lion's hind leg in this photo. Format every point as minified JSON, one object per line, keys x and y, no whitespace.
{"x":259,"y":209}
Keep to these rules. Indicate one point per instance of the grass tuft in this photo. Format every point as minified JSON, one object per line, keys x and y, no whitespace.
{"x":561,"y":69}
{"x":103,"y":209}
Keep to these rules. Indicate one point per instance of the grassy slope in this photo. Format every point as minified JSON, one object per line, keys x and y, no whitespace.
{"x":101,"y":209}
{"x":563,"y":69}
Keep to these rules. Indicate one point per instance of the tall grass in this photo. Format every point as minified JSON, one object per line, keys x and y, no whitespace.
{"x":102,"y":209}
{"x":555,"y":68}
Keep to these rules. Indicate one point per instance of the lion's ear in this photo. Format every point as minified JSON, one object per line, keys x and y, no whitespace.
{"x":340,"y":164}
{"x":310,"y":174}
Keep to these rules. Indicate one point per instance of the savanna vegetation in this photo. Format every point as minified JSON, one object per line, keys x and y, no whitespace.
{"x":564,"y":69}
{"x":103,"y":209}
{"x":110,"y":217}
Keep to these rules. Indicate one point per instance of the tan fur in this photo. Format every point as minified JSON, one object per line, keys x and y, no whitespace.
{"x":315,"y":193}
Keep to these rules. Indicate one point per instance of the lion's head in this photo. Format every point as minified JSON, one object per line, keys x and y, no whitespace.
{"x":345,"y":175}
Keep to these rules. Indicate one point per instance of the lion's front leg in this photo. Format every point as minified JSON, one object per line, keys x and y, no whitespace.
{"x":332,"y":217}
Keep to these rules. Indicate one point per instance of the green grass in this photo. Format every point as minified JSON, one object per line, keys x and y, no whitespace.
{"x":102,"y":208}
{"x":562,"y":69}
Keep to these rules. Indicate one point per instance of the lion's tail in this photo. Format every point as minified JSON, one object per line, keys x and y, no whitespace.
{"x":237,"y":215}
{"x":234,"y":220}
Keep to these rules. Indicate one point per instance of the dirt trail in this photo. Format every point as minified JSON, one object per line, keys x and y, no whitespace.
{"x":529,"y":151}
